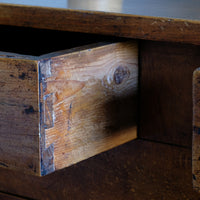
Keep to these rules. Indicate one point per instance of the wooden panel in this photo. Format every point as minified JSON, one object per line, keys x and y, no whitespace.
{"x":166,"y":91}
{"x":67,"y":106}
{"x":186,"y":9}
{"x":196,"y":131}
{"x":137,"y":170}
{"x":19,"y":127}
{"x":4,"y":196}
{"x":88,"y":102}
{"x":108,"y":23}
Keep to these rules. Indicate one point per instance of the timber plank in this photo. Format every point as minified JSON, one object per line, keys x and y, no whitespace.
{"x":106,"y":23}
{"x":166,"y":91}
{"x":136,"y":170}
{"x":19,"y":127}
{"x":60,"y":108}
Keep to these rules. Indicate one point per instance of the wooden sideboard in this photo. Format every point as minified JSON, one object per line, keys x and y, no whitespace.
{"x":156,"y":165}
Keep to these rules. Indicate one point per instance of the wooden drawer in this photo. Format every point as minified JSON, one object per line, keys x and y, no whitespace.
{"x":196,"y":131}
{"x":63,"y":107}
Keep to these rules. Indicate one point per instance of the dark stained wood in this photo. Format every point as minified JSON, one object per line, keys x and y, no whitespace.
{"x":196,"y":131}
{"x":19,"y":127}
{"x":137,"y":170}
{"x":166,"y":91}
{"x":107,"y":23}
{"x":4,"y":196}
{"x":172,"y":9}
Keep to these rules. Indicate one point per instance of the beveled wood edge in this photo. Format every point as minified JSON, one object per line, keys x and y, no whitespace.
{"x":15,"y":59}
{"x":13,"y":55}
{"x":74,"y":50}
{"x":115,"y":24}
{"x":5,"y":54}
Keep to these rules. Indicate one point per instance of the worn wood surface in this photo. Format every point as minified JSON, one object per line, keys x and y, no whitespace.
{"x":107,"y":23}
{"x":19,"y":127}
{"x":64,"y":107}
{"x":196,"y":131}
{"x":137,"y":170}
{"x":166,"y":91}
{"x":88,"y":102}
{"x":176,"y":9}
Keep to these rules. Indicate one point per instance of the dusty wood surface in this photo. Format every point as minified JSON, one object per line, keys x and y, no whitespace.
{"x":196,"y":130}
{"x":88,"y":102}
{"x":19,"y":127}
{"x":137,"y":170}
{"x":87,"y":105}
{"x":166,"y":91}
{"x":107,"y":23}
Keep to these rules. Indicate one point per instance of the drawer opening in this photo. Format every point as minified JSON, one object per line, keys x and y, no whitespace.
{"x":65,"y":97}
{"x":36,"y":42}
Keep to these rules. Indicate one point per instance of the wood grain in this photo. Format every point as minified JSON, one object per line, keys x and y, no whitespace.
{"x":136,"y":170}
{"x":19,"y":127}
{"x":88,"y":102}
{"x":175,"y":9}
{"x":196,"y":125}
{"x":64,"y":107}
{"x":166,"y":91}
{"x":115,"y":24}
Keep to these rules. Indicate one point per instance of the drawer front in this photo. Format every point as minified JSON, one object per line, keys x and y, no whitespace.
{"x":64,"y":107}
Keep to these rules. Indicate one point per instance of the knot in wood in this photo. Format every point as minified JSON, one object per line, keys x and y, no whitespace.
{"x":120,"y":74}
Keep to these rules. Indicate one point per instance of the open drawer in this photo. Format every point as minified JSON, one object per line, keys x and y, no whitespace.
{"x":63,"y":107}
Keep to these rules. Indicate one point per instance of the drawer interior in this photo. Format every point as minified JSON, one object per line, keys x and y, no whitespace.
{"x":36,"y":42}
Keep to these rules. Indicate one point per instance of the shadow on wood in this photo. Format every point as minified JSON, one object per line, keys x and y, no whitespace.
{"x":136,"y":170}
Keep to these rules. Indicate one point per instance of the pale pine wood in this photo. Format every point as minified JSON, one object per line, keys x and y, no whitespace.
{"x":61,"y":108}
{"x":90,"y":101}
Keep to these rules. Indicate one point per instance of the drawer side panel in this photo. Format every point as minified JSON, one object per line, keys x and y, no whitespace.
{"x":19,"y":127}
